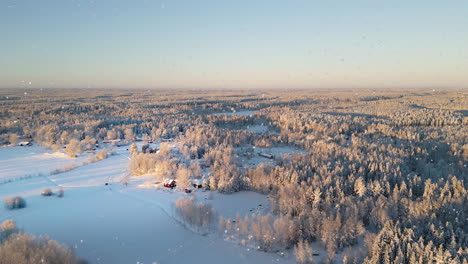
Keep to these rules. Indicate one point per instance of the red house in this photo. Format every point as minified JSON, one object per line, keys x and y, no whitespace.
{"x":169,"y":183}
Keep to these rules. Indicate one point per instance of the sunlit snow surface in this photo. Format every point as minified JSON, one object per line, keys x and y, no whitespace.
{"x":116,"y":223}
{"x":30,"y":161}
{"x":234,"y":113}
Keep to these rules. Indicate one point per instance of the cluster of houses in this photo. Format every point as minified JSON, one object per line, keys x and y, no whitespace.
{"x":171,"y":183}
{"x":116,"y":142}
{"x":196,"y":184}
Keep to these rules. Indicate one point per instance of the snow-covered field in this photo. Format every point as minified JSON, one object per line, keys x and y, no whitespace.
{"x":240,"y":113}
{"x":257,"y":129}
{"x":116,"y":223}
{"x":30,"y":161}
{"x":280,"y":151}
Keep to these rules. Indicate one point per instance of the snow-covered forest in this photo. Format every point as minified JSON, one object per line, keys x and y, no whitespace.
{"x":348,"y":176}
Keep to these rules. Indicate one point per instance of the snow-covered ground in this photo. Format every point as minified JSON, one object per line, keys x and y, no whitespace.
{"x":255,"y":159}
{"x":279,"y":151}
{"x":29,"y":161}
{"x":116,"y":223}
{"x":260,"y":129}
{"x":240,"y":113}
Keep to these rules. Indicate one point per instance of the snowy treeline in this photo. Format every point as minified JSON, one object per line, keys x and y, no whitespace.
{"x":22,"y":248}
{"x":265,"y":232}
{"x":195,"y":215}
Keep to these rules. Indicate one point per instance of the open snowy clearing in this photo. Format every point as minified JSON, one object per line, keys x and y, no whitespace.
{"x":227,"y":205}
{"x":256,"y":159}
{"x":29,"y":161}
{"x":279,"y":151}
{"x":121,"y":224}
{"x":259,"y":129}
{"x":240,"y":113}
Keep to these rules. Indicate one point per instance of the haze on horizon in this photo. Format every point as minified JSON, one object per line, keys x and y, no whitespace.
{"x":233,"y":44}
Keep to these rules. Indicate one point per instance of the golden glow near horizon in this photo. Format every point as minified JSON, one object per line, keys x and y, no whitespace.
{"x":246,"y":44}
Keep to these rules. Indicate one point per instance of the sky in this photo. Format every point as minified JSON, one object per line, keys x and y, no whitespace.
{"x":220,"y":44}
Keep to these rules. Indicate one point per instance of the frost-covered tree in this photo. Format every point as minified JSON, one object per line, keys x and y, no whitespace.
{"x":303,"y":253}
{"x":360,"y":187}
{"x":133,"y":149}
{"x":196,"y":215}
{"x":7,"y":228}
{"x":129,"y":135}
{"x":13,"y":138}
{"x":73,"y":147}
{"x":27,"y":249}
{"x":183,"y":177}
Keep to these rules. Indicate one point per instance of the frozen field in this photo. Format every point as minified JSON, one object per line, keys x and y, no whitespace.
{"x":260,"y":129}
{"x":29,"y":161}
{"x":280,"y":151}
{"x":116,"y":223}
{"x":240,"y":113}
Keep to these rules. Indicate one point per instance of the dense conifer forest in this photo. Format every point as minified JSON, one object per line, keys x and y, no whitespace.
{"x":376,"y":176}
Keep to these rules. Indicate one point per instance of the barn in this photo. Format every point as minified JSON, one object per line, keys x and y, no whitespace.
{"x":265,"y":155}
{"x":197,"y":183}
{"x":169,"y":183}
{"x":25,"y":143}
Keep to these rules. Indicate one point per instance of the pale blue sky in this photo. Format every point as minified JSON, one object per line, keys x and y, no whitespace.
{"x":233,"y":44}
